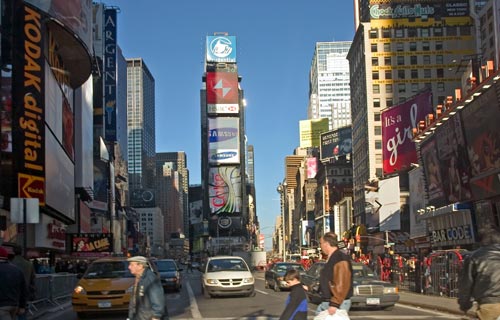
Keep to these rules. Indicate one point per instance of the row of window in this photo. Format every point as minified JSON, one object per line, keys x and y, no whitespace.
{"x":408,"y":46}
{"x":413,"y":60}
{"x":416,"y":32}
{"x":413,"y":74}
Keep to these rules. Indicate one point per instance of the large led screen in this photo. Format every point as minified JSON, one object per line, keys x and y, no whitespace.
{"x":221,"y":48}
{"x":223,"y":140}
{"x":224,"y":190}
{"x":336,"y":143}
{"x":480,"y":120}
{"x":452,"y":155}
{"x":397,"y":123}
{"x":222,"y":92}
{"x":434,"y":182}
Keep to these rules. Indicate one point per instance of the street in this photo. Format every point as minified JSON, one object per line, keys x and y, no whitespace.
{"x":189,"y":303}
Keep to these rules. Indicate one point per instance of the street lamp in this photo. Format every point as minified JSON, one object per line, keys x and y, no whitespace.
{"x":282,"y":191}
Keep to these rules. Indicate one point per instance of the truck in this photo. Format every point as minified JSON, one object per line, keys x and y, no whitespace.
{"x":259,"y":260}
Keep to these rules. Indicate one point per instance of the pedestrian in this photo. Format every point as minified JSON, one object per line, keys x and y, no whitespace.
{"x":190,"y":266}
{"x":147,"y":301}
{"x":479,"y":278}
{"x":29,"y":276}
{"x":335,"y":280}
{"x":12,"y":289}
{"x":296,"y":302}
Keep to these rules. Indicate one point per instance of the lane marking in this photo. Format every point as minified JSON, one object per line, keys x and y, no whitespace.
{"x":262,"y":292}
{"x":193,"y":306}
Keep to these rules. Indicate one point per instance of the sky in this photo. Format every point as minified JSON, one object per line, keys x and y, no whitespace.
{"x":275,"y":46}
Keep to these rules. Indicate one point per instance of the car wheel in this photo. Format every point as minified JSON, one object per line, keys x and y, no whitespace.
{"x":266,"y":284}
{"x":252,"y":294}
{"x":206,"y":294}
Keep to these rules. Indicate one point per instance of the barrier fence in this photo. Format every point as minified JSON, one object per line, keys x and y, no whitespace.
{"x":50,"y":289}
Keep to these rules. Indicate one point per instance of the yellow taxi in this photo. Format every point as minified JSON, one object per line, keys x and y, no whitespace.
{"x":104,"y":287}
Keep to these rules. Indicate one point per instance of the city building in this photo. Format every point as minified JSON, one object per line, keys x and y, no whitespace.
{"x":329,"y":90}
{"x":151,"y":227}
{"x":141,"y":133}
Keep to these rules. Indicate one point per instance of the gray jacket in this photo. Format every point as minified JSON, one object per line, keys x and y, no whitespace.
{"x":480,"y":277}
{"x":149,"y":300}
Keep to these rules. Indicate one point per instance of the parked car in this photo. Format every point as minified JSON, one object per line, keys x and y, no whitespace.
{"x":227,"y":276}
{"x":368,"y":291}
{"x":273,"y":277}
{"x":170,"y":274}
{"x":104,"y":287}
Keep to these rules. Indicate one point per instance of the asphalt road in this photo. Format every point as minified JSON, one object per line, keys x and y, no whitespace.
{"x":189,"y":303}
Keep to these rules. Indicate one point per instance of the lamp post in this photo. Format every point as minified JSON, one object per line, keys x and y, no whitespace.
{"x":282,"y":191}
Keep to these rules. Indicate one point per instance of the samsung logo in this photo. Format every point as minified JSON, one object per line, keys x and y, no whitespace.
{"x":222,"y":134}
{"x":224,"y":155}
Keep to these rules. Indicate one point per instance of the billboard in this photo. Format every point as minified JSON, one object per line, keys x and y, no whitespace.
{"x":425,"y":10}
{"x":221,"y":49}
{"x":312,"y":167}
{"x":480,"y":120}
{"x":222,"y":92}
{"x":110,"y":74}
{"x":432,"y":173}
{"x":390,"y":207}
{"x":418,"y":227}
{"x":307,"y":233}
{"x":336,"y":143}
{"x":28,"y":105}
{"x":399,"y":150}
{"x":224,"y":190}
{"x":223,"y":140}
{"x":452,"y":155}
{"x":310,"y":131}
{"x":91,"y":244}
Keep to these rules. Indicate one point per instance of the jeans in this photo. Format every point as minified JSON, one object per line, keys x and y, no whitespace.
{"x":346,"y":305}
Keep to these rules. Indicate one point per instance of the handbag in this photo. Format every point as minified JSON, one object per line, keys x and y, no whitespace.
{"x":340,"y":314}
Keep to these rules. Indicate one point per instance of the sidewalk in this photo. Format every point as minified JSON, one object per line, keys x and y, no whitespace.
{"x":444,"y":304}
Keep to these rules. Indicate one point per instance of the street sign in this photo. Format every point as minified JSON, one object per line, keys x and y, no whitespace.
{"x":17,"y":210}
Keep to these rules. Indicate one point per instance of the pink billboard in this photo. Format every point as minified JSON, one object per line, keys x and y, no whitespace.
{"x":398,"y":149}
{"x":312,"y":167}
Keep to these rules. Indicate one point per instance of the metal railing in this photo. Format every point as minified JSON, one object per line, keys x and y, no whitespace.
{"x":50,"y":289}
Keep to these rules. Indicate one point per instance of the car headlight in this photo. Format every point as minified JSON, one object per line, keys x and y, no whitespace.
{"x":79,"y":290}
{"x":390,"y":290}
{"x":212,"y":281}
{"x":248,"y":280}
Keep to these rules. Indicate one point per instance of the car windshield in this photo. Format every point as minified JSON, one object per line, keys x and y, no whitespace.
{"x":226,"y":265}
{"x":285,"y":267}
{"x":166,"y":266}
{"x":361,"y":271}
{"x":108,"y":269}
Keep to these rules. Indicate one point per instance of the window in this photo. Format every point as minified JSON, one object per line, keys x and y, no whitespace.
{"x":388,"y":102}
{"x":414,"y":73}
{"x":439,"y":59}
{"x":376,"y":103}
{"x":427,"y":59}
{"x":373,"y":34}
{"x":401,"y":88}
{"x":399,"y":33}
{"x":412,"y":33}
{"x":413,"y":60}
{"x":387,"y":47}
{"x":439,"y":45}
{"x":388,"y":74}
{"x":438,"y":32}
{"x":378,"y":144}
{"x":440,"y":86}
{"x":374,"y":47}
{"x":375,"y":75}
{"x":426,"y":46}
{"x":413,"y":46}
{"x":378,"y":130}
{"x":386,"y":33}
{"x":400,"y":60}
{"x":376,"y":116}
{"x":427,"y":73}
{"x":376,"y":88}
{"x":400,"y":46}
{"x":465,"y":30}
{"x":414,"y":87}
{"x":424,"y":32}
{"x":401,"y":74}
{"x":440,"y":73}
{"x":451,"y":31}
{"x":387,"y":61}
{"x":388,"y":88}
{"x":374,"y":61}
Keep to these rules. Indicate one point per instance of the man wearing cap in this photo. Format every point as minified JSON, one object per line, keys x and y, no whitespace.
{"x":335,"y":280}
{"x":147,"y":301}
{"x":12,"y":288}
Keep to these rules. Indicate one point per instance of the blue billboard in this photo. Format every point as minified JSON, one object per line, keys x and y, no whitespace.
{"x":221,"y":49}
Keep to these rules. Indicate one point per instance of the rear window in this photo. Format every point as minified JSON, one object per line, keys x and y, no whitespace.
{"x":166,"y":265}
{"x":108,"y":269}
{"x":227,"y":265}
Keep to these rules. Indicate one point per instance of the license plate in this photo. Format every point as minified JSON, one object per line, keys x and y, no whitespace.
{"x":104,"y":304}
{"x":372,"y":301}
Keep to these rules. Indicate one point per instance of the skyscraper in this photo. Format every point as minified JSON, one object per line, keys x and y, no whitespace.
{"x":141,"y":133}
{"x":329,"y":91}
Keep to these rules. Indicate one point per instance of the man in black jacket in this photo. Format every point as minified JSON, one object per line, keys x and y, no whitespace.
{"x":480,"y":277}
{"x":147,"y":301}
{"x":12,"y":288}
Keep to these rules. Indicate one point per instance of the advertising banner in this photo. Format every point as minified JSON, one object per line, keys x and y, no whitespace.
{"x":221,"y":49}
{"x":311,"y":130}
{"x":196,"y":212}
{"x":480,"y":120}
{"x":452,"y":155}
{"x":397,"y":123}
{"x":223,"y":140}
{"x":110,"y":74}
{"x":425,"y":10}
{"x":307,"y":232}
{"x":91,"y":244}
{"x":336,"y":143}
{"x":222,"y":93}
{"x":390,"y":206}
{"x":28,"y":141}
{"x":432,"y":175}
{"x":224,"y":190}
{"x":418,"y":227}
{"x":312,"y":167}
